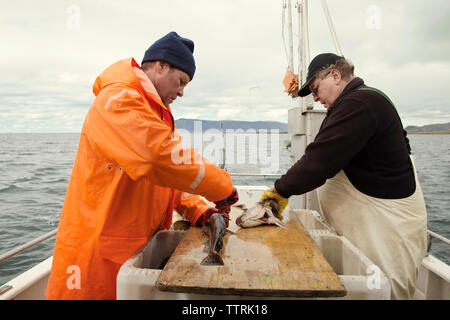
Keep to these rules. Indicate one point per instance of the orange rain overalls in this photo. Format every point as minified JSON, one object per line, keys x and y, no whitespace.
{"x":129,"y":172}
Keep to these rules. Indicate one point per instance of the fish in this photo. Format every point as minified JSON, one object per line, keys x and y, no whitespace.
{"x":261,"y":213}
{"x":216,"y":229}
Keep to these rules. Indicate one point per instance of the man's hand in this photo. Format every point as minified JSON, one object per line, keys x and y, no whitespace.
{"x":273,"y":194}
{"x":208,"y":213}
{"x":224,"y":206}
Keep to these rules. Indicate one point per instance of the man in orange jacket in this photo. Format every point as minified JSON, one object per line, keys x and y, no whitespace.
{"x":130,"y":172}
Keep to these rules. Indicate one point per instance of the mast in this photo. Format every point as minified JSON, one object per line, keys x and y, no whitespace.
{"x":302,"y":11}
{"x":290,"y":37}
{"x":222,"y":165}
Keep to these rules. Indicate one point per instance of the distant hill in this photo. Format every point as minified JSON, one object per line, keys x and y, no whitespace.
{"x":188,"y":124}
{"x":430,"y":128}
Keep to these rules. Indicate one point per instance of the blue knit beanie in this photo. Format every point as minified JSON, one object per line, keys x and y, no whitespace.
{"x":175,"y":50}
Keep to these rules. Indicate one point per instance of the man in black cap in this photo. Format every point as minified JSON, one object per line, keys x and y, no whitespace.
{"x":360,"y":161}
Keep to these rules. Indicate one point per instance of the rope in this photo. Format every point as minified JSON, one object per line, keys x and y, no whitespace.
{"x":330,"y":25}
{"x":284,"y":5}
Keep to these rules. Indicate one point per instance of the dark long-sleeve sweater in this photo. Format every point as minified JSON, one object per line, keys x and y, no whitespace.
{"x":362,"y":134}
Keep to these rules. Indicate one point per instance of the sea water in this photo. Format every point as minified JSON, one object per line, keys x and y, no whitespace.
{"x":35,"y":170}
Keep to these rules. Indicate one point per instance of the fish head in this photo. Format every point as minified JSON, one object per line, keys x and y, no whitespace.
{"x":260,"y":213}
{"x":254,"y":216}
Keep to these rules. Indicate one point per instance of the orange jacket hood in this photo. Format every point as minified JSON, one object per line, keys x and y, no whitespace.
{"x":129,"y":73}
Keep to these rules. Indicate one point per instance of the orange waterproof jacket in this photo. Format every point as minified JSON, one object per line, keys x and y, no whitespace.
{"x":129,"y":172}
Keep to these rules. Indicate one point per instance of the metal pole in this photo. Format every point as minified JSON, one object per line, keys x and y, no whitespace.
{"x":300,"y":35}
{"x":274,"y":175}
{"x":24,"y":247}
{"x":439,"y":237}
{"x":303,"y":38}
{"x":301,"y":71}
{"x":305,"y":17}
{"x":222,"y":165}
{"x":308,"y":103}
{"x":291,"y":44}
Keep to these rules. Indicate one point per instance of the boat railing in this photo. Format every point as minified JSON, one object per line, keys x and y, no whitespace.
{"x":433,"y":235}
{"x":32,"y":243}
{"x":27,"y":246}
{"x":273,"y":175}
{"x":19,"y":249}
{"x":264,"y":175}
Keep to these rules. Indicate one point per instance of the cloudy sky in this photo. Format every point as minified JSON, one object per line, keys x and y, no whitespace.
{"x":52,"y":52}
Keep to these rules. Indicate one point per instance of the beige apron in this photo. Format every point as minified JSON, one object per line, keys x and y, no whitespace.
{"x":392,"y":233}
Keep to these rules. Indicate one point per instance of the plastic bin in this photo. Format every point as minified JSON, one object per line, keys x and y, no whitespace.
{"x":362,"y":279}
{"x":312,"y":220}
{"x":137,"y":276}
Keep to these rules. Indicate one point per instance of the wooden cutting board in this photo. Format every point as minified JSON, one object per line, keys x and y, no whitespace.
{"x":261,"y":261}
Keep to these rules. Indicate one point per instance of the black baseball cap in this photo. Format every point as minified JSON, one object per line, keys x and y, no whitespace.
{"x":320,"y":62}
